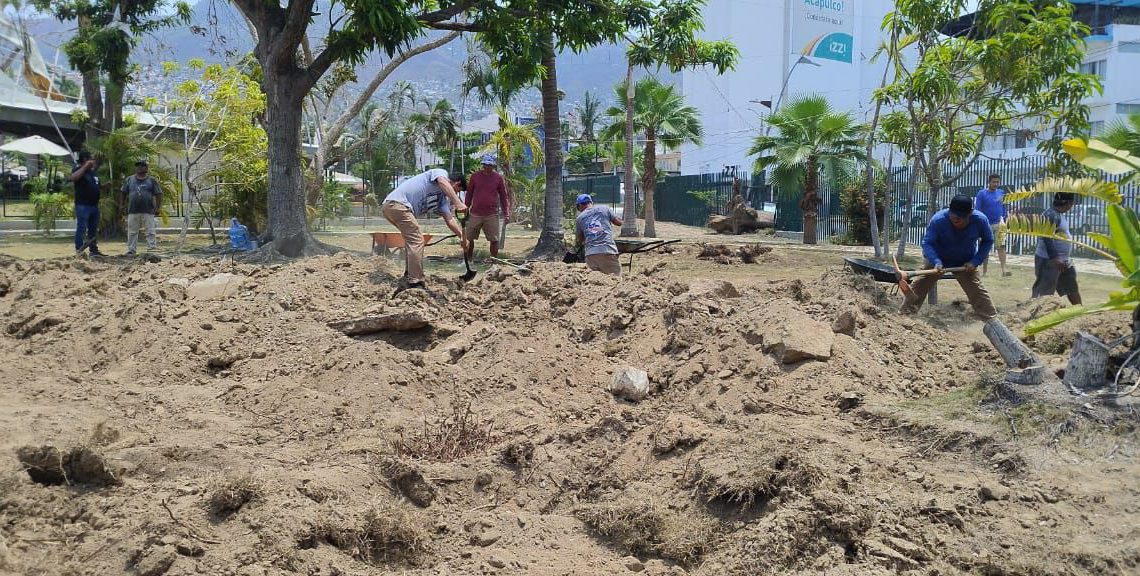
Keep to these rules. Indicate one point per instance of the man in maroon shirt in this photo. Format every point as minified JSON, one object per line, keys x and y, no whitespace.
{"x":486,"y":195}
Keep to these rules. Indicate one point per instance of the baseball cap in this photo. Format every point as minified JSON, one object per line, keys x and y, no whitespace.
{"x":141,"y":163}
{"x":584,"y":199}
{"x":489,"y":159}
{"x":962,"y":206}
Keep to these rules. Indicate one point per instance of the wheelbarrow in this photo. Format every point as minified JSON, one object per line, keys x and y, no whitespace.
{"x":639,"y":246}
{"x":384,"y":242}
{"x":881,"y":272}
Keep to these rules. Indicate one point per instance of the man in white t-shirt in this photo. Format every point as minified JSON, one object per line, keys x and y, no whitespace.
{"x":432,"y":192}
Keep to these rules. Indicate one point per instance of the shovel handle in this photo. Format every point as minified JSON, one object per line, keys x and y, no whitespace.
{"x":935,"y":271}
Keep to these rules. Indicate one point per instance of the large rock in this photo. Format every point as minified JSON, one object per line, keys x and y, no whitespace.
{"x":631,"y":384}
{"x":791,"y":335}
{"x":217,"y":286}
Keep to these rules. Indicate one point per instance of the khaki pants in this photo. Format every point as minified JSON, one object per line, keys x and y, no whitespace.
{"x":607,"y":263}
{"x":488,"y":224}
{"x":405,"y":221}
{"x":134,"y":222}
{"x":971,"y":283}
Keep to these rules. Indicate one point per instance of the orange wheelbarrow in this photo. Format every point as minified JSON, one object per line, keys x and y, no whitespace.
{"x":385,"y":242}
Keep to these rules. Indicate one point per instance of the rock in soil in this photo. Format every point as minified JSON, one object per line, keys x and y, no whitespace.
{"x":631,"y":384}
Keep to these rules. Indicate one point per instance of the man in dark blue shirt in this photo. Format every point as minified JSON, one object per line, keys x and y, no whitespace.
{"x":956,"y":237}
{"x":86,"y":204}
{"x":991,"y":202}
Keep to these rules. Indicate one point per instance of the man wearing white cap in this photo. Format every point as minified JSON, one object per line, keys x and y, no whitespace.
{"x":486,"y":196}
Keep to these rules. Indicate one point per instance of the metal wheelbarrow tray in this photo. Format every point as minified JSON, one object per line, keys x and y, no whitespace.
{"x":879,"y":271}
{"x":632,"y":247}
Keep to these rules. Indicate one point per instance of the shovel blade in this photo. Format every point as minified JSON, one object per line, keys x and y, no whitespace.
{"x":468,"y":276}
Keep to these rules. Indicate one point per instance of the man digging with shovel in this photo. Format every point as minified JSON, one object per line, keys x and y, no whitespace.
{"x":958,"y":239}
{"x":430,"y":192}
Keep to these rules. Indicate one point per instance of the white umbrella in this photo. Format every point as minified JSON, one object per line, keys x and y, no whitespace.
{"x":35,"y":145}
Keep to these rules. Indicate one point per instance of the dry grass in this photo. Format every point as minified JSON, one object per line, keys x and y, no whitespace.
{"x":408,"y":480}
{"x":457,"y":435}
{"x":388,"y":533}
{"x":645,"y":527}
{"x":743,"y":479}
{"x":229,"y":496}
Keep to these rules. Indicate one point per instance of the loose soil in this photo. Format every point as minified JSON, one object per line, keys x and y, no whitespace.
{"x":230,"y":430}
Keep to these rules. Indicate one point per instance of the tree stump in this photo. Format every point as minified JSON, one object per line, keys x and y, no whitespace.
{"x":1088,"y":363}
{"x":1023,"y":366}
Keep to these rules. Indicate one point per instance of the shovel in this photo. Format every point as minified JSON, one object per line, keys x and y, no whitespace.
{"x":470,"y":274}
{"x":904,"y":285}
{"x":522,"y":269}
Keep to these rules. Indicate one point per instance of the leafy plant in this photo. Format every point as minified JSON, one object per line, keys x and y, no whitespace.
{"x":856,"y":205}
{"x":1122,"y":243}
{"x":47,"y":206}
{"x":335,"y":203}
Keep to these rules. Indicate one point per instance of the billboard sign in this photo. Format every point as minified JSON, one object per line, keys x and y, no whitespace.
{"x":823,"y":28}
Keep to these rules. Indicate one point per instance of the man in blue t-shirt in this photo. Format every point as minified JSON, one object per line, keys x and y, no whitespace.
{"x":956,"y":237}
{"x":86,"y":204}
{"x":990,"y":201}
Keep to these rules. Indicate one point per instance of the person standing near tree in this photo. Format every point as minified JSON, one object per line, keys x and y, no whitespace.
{"x":596,"y":236}
{"x":427,"y":193}
{"x":86,"y":184}
{"x":1054,"y":271}
{"x":144,"y":196}
{"x":486,"y":196}
{"x":991,"y":202}
{"x":958,"y":236}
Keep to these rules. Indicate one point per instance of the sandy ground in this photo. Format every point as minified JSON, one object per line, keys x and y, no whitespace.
{"x":794,"y":424}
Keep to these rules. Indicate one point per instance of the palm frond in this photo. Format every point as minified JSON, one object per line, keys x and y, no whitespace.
{"x":1040,"y":227}
{"x":1065,"y":314}
{"x":1109,"y":192}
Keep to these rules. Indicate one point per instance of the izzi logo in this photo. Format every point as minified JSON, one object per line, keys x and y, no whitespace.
{"x":833,"y":5}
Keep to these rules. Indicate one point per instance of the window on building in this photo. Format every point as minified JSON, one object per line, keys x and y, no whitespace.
{"x":1096,"y":128}
{"x":1014,"y":140}
{"x":1097,"y":68}
{"x":1128,"y":109}
{"x":1130,"y":47}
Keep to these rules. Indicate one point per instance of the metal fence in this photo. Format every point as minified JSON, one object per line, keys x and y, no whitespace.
{"x":691,"y":199}
{"x":604,"y":188}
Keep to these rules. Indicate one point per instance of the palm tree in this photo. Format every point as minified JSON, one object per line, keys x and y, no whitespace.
{"x":509,"y":143}
{"x":1124,"y":134}
{"x":662,"y":115}
{"x":437,"y":127}
{"x":813,"y":139}
{"x":589,"y":114}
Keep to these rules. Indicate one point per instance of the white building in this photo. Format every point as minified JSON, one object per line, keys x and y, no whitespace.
{"x":772,"y":36}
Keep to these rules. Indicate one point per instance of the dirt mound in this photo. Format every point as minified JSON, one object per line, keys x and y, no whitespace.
{"x":722,"y":254}
{"x":258,"y":434}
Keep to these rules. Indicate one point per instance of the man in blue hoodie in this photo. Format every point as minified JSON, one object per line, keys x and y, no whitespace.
{"x":991,"y":202}
{"x":956,"y":237}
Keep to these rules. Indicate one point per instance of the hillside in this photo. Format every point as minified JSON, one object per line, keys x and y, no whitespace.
{"x":216,"y":34}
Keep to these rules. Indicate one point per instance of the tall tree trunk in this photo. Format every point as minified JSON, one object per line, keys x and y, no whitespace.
{"x":93,"y":98}
{"x":880,"y":252}
{"x":810,"y":202}
{"x":629,"y":206}
{"x":288,"y":227}
{"x":551,"y":243}
{"x":649,"y":185}
{"x":904,"y":228}
{"x":934,"y":180}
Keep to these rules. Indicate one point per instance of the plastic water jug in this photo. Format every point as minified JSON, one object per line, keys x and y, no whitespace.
{"x":239,"y":235}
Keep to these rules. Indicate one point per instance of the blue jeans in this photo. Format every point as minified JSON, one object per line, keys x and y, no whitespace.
{"x":86,"y":226}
